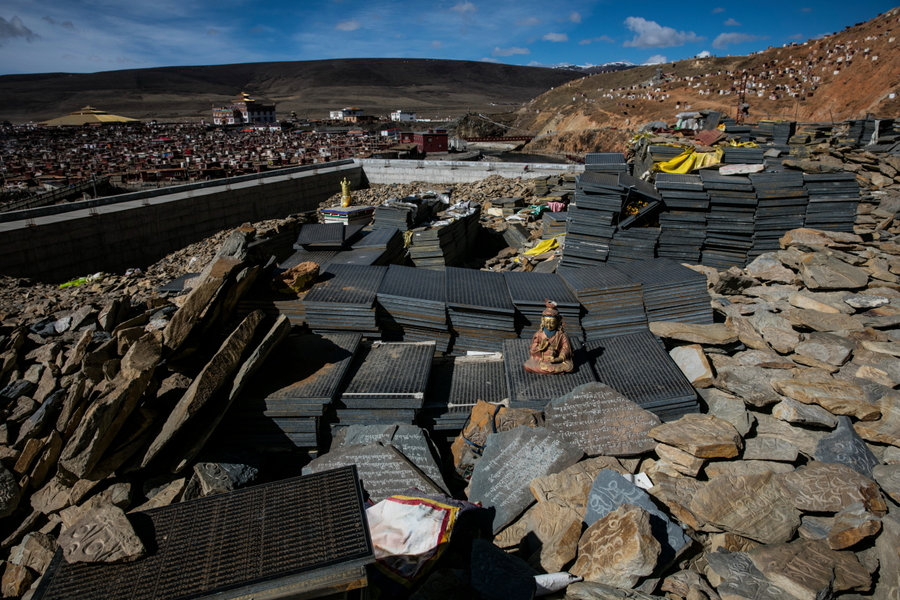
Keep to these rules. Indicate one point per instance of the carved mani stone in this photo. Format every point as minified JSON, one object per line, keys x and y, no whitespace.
{"x":618,"y":549}
{"x":102,"y":535}
{"x":808,"y":569}
{"x":611,"y":490}
{"x":601,"y":421}
{"x":828,"y":487}
{"x":753,"y":506}
{"x":569,"y":488}
{"x":510,"y":461}
{"x":844,"y":446}
{"x":550,"y":532}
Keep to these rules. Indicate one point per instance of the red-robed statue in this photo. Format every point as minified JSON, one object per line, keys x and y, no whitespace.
{"x":550,"y":349}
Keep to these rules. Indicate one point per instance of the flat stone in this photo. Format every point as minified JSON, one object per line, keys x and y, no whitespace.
{"x":618,"y":549}
{"x":776,"y":331}
{"x":170,"y":493}
{"x":886,"y":545}
{"x":710,"y":335}
{"x":804,"y":414}
{"x":740,"y":579}
{"x":212,"y":281}
{"x":601,"y":421}
{"x":686,"y":584}
{"x":750,"y":384}
{"x":693,"y":363}
{"x":767,"y":267}
{"x":16,"y":581}
{"x":221,"y":477}
{"x":837,"y":397}
{"x":866,"y":301}
{"x":891,"y":348}
{"x":500,"y":576}
{"x":823,"y":272}
{"x":570,"y":487}
{"x":10,"y":492}
{"x":888,"y":477}
{"x":383,"y":469}
{"x":550,"y":533}
{"x":104,"y":534}
{"x":681,"y":461}
{"x":511,"y":459}
{"x":851,"y":526}
{"x":35,"y":551}
{"x":753,"y":506}
{"x":728,"y":408}
{"x":591,"y":590}
{"x":769,"y":448}
{"x":118,"y":494}
{"x":745,"y":467}
{"x":213,"y":377}
{"x":804,"y":300}
{"x":611,"y":490}
{"x":805,"y":439}
{"x":704,"y":436}
{"x":42,"y":418}
{"x":746,"y":333}
{"x":830,"y":488}
{"x":844,"y":446}
{"x":809,"y":570}
{"x":805,"y":236}
{"x":411,"y":440}
{"x":765,"y":359}
{"x":676,"y":494}
{"x":815,"y":528}
{"x":820,"y":321}
{"x":826,"y":347}
{"x":106,"y":416}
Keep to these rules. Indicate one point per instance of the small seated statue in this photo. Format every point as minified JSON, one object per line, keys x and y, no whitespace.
{"x":550,"y":350}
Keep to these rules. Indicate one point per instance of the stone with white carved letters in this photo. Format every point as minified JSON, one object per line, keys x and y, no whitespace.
{"x":601,"y":421}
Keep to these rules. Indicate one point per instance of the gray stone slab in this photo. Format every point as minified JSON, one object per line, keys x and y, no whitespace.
{"x":611,"y":490}
{"x":601,"y":421}
{"x":384,"y":470}
{"x":411,"y":440}
{"x":741,"y":579}
{"x":844,"y":446}
{"x":510,"y":461}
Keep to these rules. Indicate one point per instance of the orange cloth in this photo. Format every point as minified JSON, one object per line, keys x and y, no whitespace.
{"x":547,"y":352}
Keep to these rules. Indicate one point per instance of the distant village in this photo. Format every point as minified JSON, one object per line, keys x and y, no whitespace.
{"x":246,"y":136}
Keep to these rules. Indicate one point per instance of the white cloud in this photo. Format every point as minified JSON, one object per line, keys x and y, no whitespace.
{"x":490,"y":60}
{"x":723,"y":40}
{"x":510,"y":51}
{"x":555,"y":37}
{"x":350,"y":25}
{"x":602,"y":38}
{"x":436,"y":44}
{"x":656,"y":59}
{"x":535,"y":63}
{"x":575,"y":17}
{"x":15,"y":28}
{"x":704,"y":54}
{"x":732,"y":23}
{"x":651,"y":34}
{"x":718,"y":10}
{"x":528,"y":22}
{"x":465,"y":7}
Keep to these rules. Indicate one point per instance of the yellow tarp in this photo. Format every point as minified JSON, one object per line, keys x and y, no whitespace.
{"x":688,"y":161}
{"x":545,"y":246}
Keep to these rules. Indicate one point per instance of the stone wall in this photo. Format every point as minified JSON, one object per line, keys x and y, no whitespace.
{"x":136,"y":230}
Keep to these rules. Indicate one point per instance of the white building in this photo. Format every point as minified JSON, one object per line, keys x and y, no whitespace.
{"x":403,"y":115}
{"x":344,"y":113}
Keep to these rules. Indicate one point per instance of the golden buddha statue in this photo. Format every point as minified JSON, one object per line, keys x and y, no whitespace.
{"x":550,"y":351}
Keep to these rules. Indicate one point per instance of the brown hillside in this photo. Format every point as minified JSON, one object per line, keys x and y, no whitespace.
{"x":843,"y":76}
{"x":311,"y":88}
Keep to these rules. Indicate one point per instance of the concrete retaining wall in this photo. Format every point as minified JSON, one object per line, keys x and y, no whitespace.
{"x":114,"y":236}
{"x":404,"y":171}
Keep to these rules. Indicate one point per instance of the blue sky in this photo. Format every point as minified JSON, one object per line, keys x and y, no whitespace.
{"x":79,"y":36}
